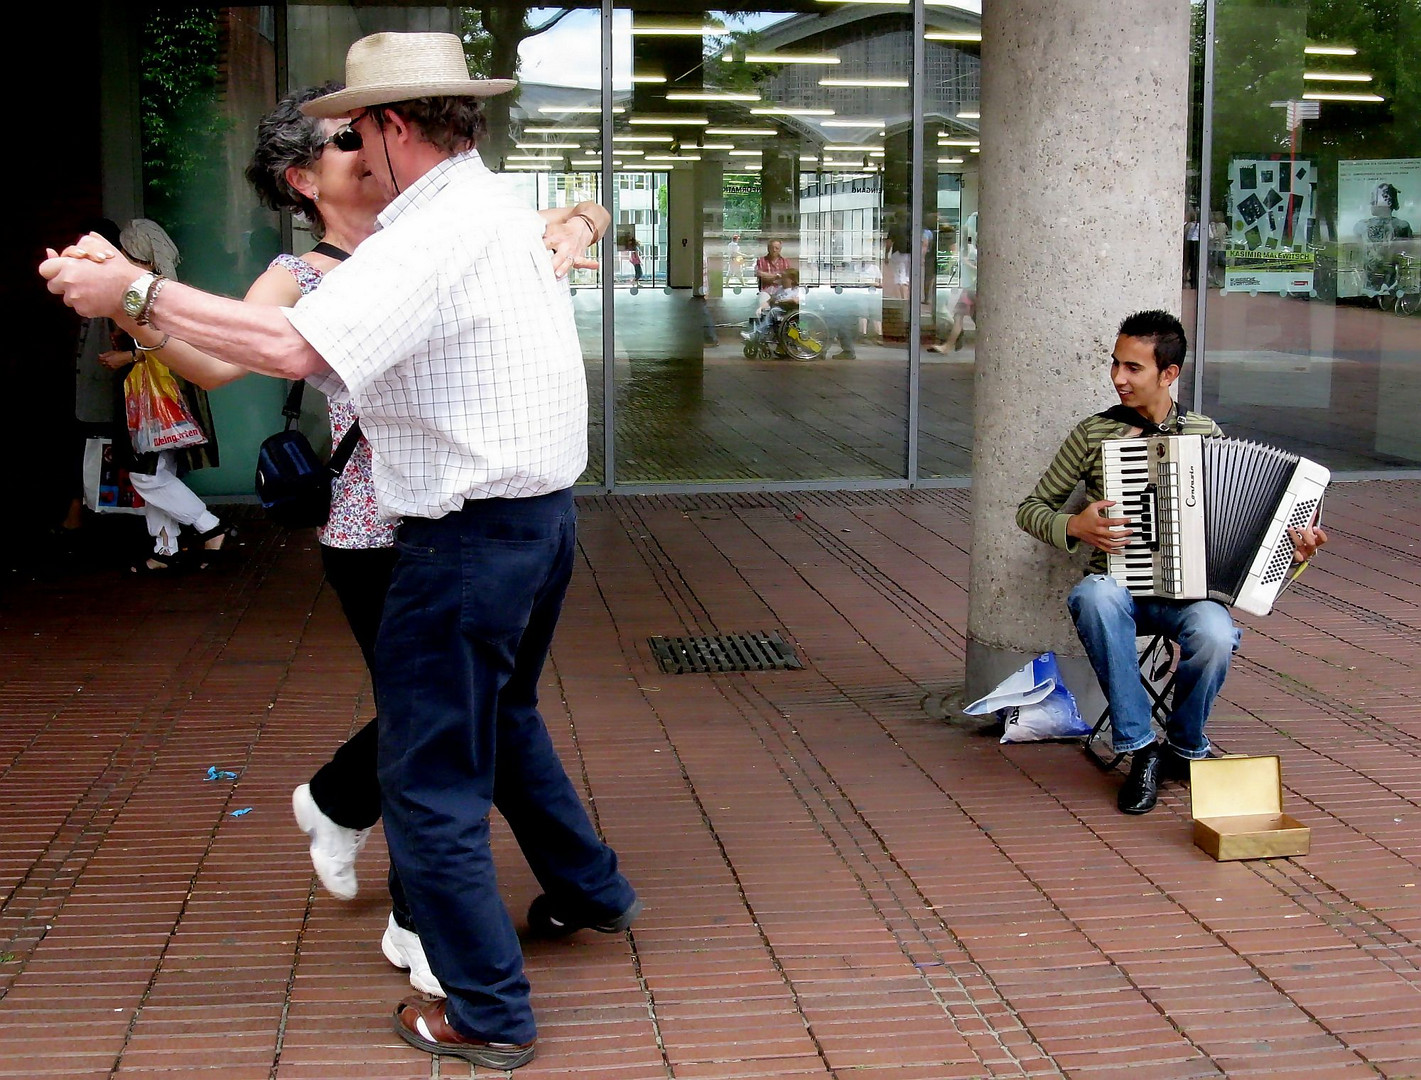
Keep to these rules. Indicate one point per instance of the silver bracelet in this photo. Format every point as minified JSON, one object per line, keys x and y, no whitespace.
{"x":151,"y":348}
{"x":146,"y":312}
{"x":591,"y":226}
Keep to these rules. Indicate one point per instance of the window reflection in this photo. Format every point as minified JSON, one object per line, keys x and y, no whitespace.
{"x":1316,"y":200}
{"x":764,"y":337}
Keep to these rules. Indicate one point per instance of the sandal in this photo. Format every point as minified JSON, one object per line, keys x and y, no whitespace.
{"x":155,"y":564}
{"x":206,"y":556}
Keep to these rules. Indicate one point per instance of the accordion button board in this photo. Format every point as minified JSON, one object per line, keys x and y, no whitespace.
{"x":1209,"y":517}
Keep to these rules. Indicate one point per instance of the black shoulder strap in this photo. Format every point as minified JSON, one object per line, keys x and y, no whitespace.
{"x":1123,"y":414}
{"x":292,"y":409}
{"x":341,"y":458}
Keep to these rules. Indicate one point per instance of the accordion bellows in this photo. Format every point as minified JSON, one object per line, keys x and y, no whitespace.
{"x":1210,"y":516}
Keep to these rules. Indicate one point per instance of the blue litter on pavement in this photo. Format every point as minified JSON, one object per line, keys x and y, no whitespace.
{"x":244,"y":810}
{"x":214,"y":773}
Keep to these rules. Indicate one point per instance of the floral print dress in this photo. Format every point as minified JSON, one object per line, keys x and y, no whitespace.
{"x":355,"y":520}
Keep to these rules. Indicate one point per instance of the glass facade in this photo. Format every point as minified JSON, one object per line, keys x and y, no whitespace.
{"x":787,"y":294}
{"x":207,"y":75}
{"x":1313,"y":207}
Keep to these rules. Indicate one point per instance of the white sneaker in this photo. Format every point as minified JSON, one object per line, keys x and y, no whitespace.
{"x":402,"y":948}
{"x":333,"y":847}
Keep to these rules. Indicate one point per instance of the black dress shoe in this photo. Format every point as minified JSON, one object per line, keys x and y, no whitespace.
{"x":1141,"y":787}
{"x":544,"y":920}
{"x":1173,"y":767}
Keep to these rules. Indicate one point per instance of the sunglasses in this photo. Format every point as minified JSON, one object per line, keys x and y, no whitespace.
{"x":346,"y":140}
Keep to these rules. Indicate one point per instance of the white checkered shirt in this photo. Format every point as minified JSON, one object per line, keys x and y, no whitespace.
{"x":457,"y":345}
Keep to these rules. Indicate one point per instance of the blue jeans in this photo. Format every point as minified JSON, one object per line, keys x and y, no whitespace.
{"x":468,"y":621}
{"x":1108,"y":619}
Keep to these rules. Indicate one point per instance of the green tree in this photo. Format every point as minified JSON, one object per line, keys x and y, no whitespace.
{"x":182,"y":127}
{"x":492,"y":34}
{"x":184,"y":137}
{"x":742,"y":204}
{"x":1259,"y":59}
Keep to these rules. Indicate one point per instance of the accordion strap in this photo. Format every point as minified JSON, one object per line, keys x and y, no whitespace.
{"x":1123,"y":414}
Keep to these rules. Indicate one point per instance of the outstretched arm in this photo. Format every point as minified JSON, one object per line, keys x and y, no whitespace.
{"x":92,"y":276}
{"x":275,"y":288}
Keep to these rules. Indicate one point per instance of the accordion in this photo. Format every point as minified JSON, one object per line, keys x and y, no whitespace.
{"x":1210,"y":516}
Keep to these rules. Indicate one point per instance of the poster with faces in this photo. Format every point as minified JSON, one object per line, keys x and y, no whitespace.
{"x":1378,"y":220}
{"x":1367,"y":189}
{"x":1271,"y":203}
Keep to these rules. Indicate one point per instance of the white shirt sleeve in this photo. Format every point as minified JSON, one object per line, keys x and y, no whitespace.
{"x":373,"y":310}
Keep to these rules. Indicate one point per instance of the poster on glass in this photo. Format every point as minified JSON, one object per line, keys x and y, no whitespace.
{"x":1378,"y":215}
{"x":1271,"y":208}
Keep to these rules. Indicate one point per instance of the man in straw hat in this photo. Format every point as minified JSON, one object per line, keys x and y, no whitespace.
{"x":451,"y":332}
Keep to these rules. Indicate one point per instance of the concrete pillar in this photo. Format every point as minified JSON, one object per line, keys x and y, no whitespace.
{"x":1083,"y":155}
{"x":683,"y":221}
{"x":779,"y":200}
{"x":710,"y":199}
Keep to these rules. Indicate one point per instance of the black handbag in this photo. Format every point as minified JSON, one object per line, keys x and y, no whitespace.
{"x":293,"y":483}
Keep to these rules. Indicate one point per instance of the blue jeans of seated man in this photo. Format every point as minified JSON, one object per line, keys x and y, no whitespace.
{"x":468,"y":620}
{"x":1108,"y":619}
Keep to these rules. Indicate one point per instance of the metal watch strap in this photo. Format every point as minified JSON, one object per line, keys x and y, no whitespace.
{"x":146,"y":311}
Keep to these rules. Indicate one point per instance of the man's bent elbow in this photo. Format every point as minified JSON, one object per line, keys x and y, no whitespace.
{"x":1021,"y":516}
{"x":292,"y":357}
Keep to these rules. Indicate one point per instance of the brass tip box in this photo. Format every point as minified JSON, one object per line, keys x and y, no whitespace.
{"x":1237,"y":806}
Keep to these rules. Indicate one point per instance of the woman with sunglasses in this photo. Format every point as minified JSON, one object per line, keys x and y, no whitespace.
{"x":312,"y":167}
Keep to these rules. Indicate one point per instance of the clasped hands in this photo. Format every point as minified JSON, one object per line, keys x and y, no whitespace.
{"x":90,"y":275}
{"x":1093,"y":526}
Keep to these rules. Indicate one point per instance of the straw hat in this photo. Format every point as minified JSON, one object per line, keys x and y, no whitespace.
{"x":385,"y":68}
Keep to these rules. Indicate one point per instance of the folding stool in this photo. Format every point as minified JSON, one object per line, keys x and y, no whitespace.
{"x":1157,"y":674}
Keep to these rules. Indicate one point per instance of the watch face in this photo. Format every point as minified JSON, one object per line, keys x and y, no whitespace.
{"x":134,"y":296}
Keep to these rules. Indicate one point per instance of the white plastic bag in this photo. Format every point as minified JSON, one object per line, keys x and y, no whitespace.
{"x":1034,"y":703}
{"x":107,"y":488}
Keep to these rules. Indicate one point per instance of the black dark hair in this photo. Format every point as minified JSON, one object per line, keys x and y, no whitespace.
{"x":454,"y":124}
{"x":105,"y":227}
{"x":287,"y":137}
{"x":1389,"y":196}
{"x":1163,"y":330}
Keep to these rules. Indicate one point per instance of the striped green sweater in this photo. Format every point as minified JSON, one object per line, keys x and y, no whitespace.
{"x":1079,"y":459}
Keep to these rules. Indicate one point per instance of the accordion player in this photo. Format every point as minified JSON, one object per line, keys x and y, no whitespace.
{"x":1210,"y":516}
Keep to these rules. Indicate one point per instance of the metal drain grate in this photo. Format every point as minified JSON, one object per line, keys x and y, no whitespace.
{"x":724,"y":652}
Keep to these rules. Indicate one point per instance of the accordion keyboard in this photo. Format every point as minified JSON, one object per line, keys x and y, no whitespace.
{"x":1126,"y":464}
{"x":1156,"y":483}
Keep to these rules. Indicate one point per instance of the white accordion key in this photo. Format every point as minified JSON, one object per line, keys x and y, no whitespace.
{"x":1127,"y":475}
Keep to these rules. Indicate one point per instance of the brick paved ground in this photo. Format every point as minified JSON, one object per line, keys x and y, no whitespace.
{"x":837,"y":882}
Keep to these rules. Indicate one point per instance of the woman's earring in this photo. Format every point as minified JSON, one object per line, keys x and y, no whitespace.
{"x":315,"y":196}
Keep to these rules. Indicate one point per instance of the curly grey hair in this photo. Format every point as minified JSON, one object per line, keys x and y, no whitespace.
{"x":287,"y":137}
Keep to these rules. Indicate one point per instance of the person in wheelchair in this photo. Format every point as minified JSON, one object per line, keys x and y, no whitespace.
{"x":1148,"y":353}
{"x":776,"y":307}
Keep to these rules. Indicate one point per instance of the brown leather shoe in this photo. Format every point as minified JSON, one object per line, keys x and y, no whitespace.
{"x":420,"y":1022}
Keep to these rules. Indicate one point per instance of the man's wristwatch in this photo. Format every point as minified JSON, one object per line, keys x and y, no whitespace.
{"x":138,"y":297}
